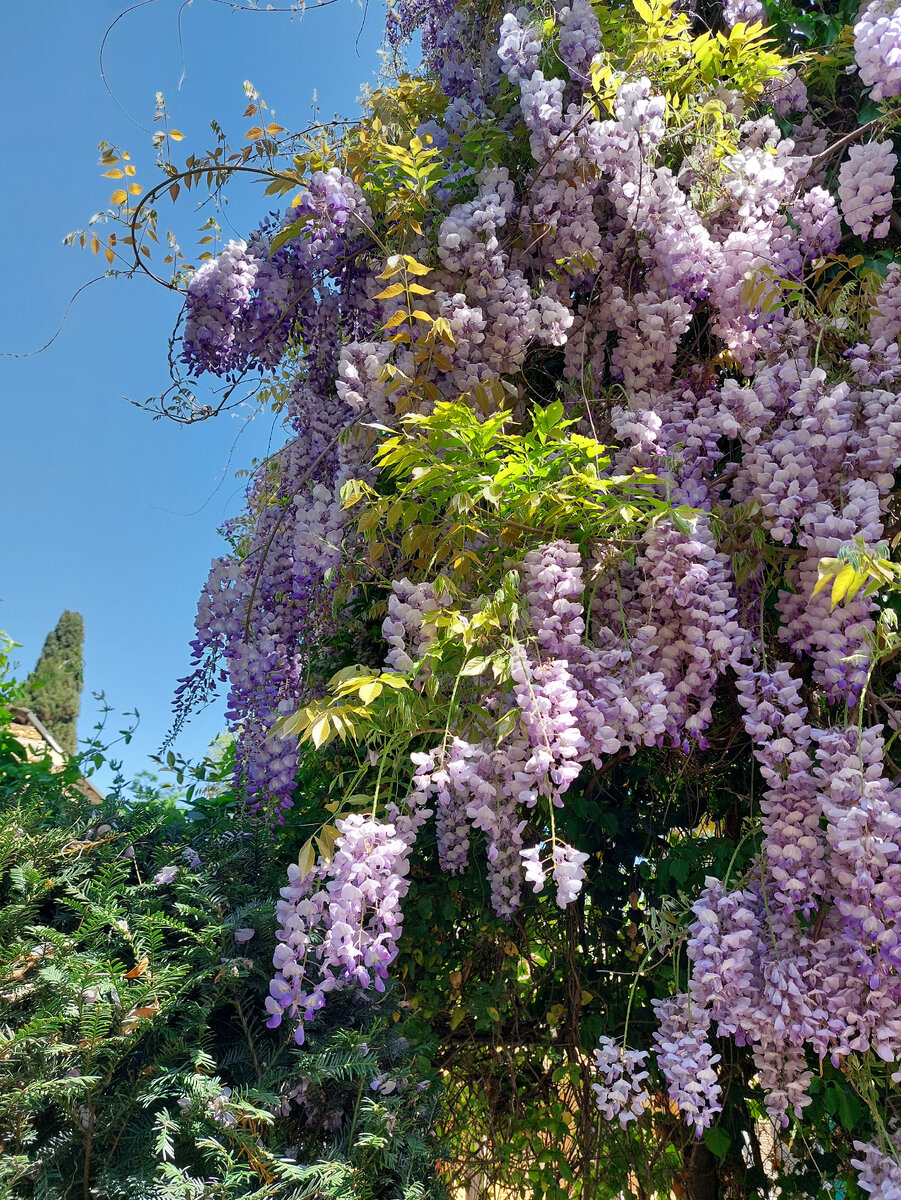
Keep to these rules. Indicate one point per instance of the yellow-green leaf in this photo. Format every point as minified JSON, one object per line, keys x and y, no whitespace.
{"x":326,"y":839}
{"x":842,"y":582}
{"x":292,"y":724}
{"x":859,"y":580}
{"x":306,"y":859}
{"x":288,"y":233}
{"x":320,"y":731}
{"x":347,"y":673}
{"x":394,"y":681}
{"x":475,"y":666}
{"x":827,"y":570}
{"x":370,"y":692}
{"x":393,"y":265}
{"x":394,"y":289}
{"x":416,"y":268}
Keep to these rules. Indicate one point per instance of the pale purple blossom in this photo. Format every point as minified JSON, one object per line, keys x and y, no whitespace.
{"x":866,"y":180}
{"x":877,"y":48}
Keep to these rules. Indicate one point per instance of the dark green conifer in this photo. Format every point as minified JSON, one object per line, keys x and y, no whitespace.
{"x":53,"y":689}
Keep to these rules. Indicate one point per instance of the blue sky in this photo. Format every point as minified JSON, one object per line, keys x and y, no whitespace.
{"x":105,"y":510}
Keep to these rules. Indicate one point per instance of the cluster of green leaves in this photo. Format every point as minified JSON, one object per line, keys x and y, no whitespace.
{"x":469,"y":493}
{"x":663,"y":43}
{"x":134,"y":1059}
{"x":457,"y":477}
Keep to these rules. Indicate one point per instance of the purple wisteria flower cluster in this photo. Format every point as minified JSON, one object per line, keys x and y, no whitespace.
{"x":347,"y":926}
{"x":866,"y":181}
{"x":877,"y":48}
{"x":243,"y":306}
{"x":619,"y":1091}
{"x":686,"y":1060}
{"x":879,"y":1172}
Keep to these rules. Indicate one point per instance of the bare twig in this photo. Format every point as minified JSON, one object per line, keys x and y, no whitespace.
{"x":853,"y":136}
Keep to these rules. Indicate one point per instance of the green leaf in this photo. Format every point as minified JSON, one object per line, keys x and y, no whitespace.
{"x":295,"y":229}
{"x":475,"y":666}
{"x":717,"y":1141}
{"x":849,"y":1108}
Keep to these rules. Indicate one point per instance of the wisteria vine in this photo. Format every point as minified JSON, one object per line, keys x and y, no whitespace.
{"x":667,"y":261}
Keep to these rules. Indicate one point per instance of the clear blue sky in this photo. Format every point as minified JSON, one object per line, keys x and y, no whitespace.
{"x":105,"y":510}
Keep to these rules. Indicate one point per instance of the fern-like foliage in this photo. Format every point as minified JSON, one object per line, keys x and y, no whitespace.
{"x":134,"y":1058}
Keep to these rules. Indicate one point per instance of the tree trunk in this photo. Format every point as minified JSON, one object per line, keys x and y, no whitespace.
{"x":699,"y":1176}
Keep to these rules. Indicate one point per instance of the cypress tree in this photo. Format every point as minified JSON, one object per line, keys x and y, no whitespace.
{"x":53,"y":689}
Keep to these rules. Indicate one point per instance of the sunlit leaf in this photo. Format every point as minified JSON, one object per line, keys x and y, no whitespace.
{"x":414,"y":267}
{"x":321,"y":731}
{"x":841,"y":583}
{"x":306,"y":859}
{"x":394,"y":289}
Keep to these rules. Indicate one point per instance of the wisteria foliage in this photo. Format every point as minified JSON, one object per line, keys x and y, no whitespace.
{"x":666,"y":275}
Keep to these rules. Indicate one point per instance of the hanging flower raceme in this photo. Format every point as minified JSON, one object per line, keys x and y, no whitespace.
{"x":877,"y":48}
{"x":686,"y":1060}
{"x":620,"y":1091}
{"x":866,"y":181}
{"x":339,"y":924}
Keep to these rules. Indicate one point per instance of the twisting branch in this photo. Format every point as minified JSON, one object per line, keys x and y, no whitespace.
{"x":223,"y":172}
{"x":853,"y":136}
{"x":217,"y":173}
